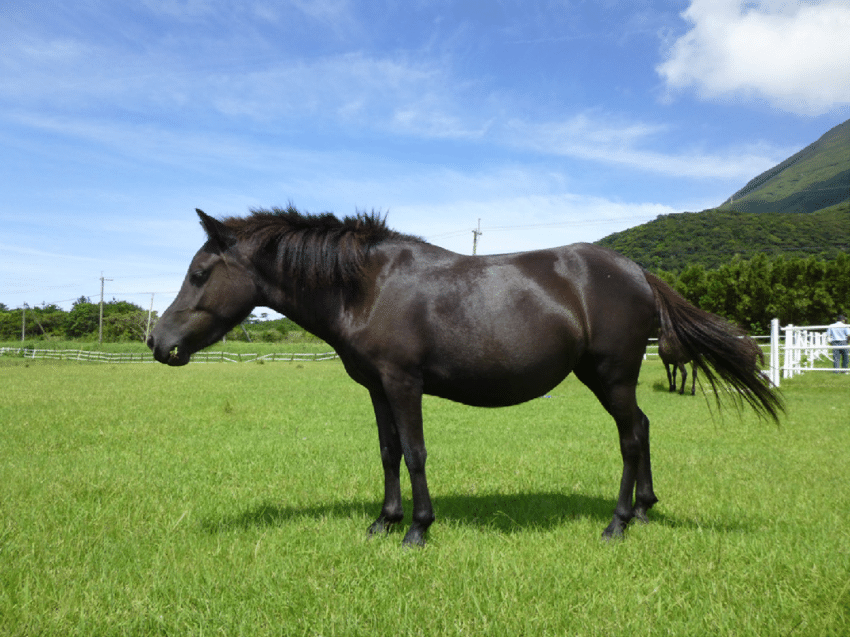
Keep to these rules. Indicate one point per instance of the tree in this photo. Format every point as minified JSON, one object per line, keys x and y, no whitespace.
{"x":124,"y":321}
{"x":83,"y":319}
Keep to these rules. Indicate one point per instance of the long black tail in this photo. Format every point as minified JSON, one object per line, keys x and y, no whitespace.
{"x":724,"y":353}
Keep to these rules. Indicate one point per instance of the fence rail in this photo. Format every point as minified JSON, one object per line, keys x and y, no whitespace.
{"x":147,"y":357}
{"x":807,"y":350}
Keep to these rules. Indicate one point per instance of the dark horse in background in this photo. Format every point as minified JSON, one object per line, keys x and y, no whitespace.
{"x":676,"y":358}
{"x":408,"y":318}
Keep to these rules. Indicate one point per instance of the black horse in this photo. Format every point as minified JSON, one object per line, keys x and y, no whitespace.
{"x":408,"y":318}
{"x":676,"y":358}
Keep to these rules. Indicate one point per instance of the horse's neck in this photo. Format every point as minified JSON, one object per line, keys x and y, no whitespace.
{"x":317,"y":311}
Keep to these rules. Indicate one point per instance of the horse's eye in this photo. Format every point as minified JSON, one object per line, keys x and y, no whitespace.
{"x":199,"y":277}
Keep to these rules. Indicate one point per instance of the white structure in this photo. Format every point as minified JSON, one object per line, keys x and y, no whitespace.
{"x":803,"y":348}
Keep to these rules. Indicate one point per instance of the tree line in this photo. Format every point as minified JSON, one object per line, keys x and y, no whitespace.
{"x":122,"y":322}
{"x":749,"y":292}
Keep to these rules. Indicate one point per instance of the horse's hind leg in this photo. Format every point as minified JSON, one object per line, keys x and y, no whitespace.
{"x":671,"y":378}
{"x":618,"y":398}
{"x":644,"y":493}
{"x":693,"y":379}
{"x":684,"y":369}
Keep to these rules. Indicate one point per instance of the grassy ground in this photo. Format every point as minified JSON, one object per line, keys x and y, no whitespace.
{"x":233,"y":500}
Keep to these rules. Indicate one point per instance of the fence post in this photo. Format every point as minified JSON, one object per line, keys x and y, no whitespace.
{"x":787,"y":368}
{"x":774,"y":351}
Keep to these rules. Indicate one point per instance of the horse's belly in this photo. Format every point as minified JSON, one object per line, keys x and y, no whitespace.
{"x":497,"y":387}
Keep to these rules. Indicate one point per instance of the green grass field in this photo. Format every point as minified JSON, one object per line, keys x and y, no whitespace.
{"x":234,"y":500}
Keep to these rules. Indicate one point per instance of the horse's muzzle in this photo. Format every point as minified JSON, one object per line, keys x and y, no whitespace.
{"x":174,"y":356}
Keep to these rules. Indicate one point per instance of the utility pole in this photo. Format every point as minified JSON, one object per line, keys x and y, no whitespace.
{"x":150,"y":311}
{"x":100,"y":323}
{"x":475,"y":235}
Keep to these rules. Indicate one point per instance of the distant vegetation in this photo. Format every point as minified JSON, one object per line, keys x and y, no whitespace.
{"x":123,"y":322}
{"x":796,"y":290}
{"x":713,"y":237}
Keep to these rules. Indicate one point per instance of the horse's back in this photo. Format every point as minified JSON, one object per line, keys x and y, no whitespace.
{"x":498,"y":330}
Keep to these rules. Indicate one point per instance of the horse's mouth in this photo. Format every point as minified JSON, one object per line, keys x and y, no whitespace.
{"x":177,"y":356}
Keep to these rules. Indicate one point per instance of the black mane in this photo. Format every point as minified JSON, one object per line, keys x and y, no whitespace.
{"x":318,"y":249}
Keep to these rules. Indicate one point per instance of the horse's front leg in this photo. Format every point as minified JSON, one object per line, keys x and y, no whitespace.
{"x":404,"y":393}
{"x":391,"y":511}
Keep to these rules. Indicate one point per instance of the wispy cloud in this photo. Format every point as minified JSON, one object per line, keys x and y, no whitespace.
{"x":792,"y":54}
{"x":629,"y":144}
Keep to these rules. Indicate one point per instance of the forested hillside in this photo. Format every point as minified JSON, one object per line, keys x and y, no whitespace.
{"x":815,"y":178}
{"x":711,"y":238}
{"x":800,"y":207}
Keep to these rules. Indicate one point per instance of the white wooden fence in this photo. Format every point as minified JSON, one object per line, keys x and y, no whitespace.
{"x":793,"y":349}
{"x":147,"y":357}
{"x":804,"y":349}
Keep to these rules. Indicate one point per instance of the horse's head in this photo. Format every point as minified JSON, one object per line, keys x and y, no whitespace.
{"x":218,"y":293}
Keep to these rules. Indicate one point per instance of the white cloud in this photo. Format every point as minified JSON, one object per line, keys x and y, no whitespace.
{"x":795,"y":55}
{"x":628,"y":144}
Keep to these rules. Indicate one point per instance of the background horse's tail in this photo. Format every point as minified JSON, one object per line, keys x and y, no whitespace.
{"x":726,"y":356}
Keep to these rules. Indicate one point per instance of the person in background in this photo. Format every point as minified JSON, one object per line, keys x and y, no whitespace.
{"x":837,"y":335}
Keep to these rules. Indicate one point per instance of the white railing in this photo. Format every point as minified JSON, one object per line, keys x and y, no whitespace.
{"x":147,"y":357}
{"x":805,"y":350}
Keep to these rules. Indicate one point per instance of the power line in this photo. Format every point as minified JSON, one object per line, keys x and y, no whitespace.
{"x":553,"y":224}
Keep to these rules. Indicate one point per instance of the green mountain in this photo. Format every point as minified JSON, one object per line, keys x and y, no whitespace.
{"x":802,"y":206}
{"x":712,"y":237}
{"x":817,"y":177}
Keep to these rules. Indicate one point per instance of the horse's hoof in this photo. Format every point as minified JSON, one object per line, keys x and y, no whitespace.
{"x":380,"y":526}
{"x":614,"y":531}
{"x":415,"y":537}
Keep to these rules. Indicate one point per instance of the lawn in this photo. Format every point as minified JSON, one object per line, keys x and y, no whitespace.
{"x":233,"y":500}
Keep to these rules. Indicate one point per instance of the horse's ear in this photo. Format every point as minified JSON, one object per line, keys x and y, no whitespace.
{"x":217,"y":232}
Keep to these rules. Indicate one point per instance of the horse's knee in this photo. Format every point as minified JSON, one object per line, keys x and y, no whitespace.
{"x":414,"y":459}
{"x":630,"y":448}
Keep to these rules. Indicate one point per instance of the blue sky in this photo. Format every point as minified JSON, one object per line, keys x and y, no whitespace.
{"x":551,"y":121}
